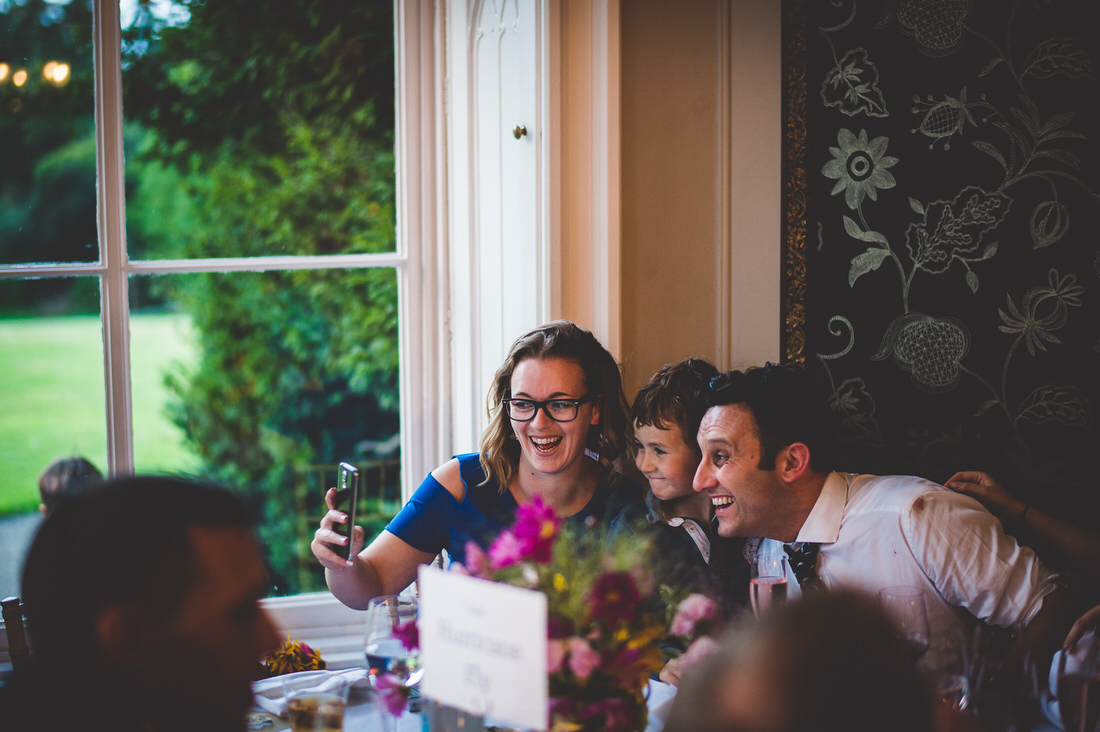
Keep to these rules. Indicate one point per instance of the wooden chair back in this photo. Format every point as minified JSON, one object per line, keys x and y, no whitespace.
{"x":18,"y":648}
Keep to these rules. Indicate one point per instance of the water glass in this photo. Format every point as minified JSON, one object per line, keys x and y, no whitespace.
{"x":313,"y":705}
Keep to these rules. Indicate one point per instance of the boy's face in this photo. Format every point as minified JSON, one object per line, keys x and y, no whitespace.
{"x":666,"y":461}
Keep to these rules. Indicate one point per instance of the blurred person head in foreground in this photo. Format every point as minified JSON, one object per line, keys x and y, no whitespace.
{"x":64,"y":477}
{"x":828,"y":662}
{"x":142,"y":602}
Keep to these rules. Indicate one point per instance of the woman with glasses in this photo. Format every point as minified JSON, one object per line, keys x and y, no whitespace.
{"x":558,"y":430}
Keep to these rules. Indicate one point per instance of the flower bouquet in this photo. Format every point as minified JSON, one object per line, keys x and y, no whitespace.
{"x":291,"y":657}
{"x":603,"y":634}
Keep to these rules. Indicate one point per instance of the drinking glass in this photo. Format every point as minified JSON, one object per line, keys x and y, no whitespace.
{"x":312,"y":705}
{"x":768,"y":584}
{"x":1079,"y":685}
{"x":387,"y":615}
{"x":947,"y":666}
{"x":905,"y":606}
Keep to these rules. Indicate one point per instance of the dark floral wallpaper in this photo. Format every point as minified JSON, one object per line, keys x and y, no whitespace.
{"x":953,"y":238}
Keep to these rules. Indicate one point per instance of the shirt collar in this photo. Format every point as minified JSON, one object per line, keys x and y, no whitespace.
{"x":823,"y":523}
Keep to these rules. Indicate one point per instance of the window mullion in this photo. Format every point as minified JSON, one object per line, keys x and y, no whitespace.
{"x":111,"y":207}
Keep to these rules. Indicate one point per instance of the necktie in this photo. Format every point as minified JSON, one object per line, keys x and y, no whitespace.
{"x":803,"y":559}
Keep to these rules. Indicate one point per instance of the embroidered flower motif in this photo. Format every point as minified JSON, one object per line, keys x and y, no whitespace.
{"x":859,"y":167}
{"x":929,"y":349}
{"x":935,"y":25}
{"x":852,"y":86}
{"x":1061,"y":294}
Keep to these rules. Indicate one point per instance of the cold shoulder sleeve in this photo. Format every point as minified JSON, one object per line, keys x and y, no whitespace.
{"x":424,"y":522}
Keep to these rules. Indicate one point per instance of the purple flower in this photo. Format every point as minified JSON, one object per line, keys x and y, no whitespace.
{"x":408,"y":633}
{"x":614,"y":598}
{"x":614,"y":713}
{"x":558,"y":627}
{"x":625,"y":665}
{"x":394,"y":693}
{"x":536,"y":528}
{"x":694,"y":608}
{"x":582,"y":659}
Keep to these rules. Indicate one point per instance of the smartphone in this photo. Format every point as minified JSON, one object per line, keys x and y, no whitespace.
{"x":346,"y":499}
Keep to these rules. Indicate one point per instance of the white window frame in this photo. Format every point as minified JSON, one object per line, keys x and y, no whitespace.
{"x":420,"y":260}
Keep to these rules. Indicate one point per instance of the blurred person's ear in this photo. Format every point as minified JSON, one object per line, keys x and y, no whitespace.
{"x":123,"y":635}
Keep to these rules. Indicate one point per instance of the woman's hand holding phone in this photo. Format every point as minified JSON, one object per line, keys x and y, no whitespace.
{"x":339,"y":540}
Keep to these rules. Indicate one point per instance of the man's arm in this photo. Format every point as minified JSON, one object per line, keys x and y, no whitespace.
{"x":1047,"y":630}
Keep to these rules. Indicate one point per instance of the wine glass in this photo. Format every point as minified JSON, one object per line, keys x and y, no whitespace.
{"x":768,"y":583}
{"x":387,"y":617}
{"x":905,"y":606}
{"x":1079,"y":685}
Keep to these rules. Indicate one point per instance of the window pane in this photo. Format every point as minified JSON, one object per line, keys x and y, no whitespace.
{"x":47,"y":133}
{"x":273,"y":378}
{"x":53,"y":402}
{"x":255,"y":133}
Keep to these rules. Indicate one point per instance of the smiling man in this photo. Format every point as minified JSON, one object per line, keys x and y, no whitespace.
{"x":767,"y":444}
{"x":142,"y":602}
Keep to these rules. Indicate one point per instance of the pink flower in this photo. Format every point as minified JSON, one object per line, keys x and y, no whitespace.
{"x":394,"y":693}
{"x":477,"y":561}
{"x":505,"y":551}
{"x":694,"y":608}
{"x":582,"y":659}
{"x":408,"y":633}
{"x":555,"y":654}
{"x":614,"y":598}
{"x":697,"y":651}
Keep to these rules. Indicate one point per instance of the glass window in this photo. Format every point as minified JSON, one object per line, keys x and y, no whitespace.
{"x":47,"y":133}
{"x":52,"y":391}
{"x":251,"y":297}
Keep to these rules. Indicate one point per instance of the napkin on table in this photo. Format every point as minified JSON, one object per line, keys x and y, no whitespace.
{"x":269,"y":694}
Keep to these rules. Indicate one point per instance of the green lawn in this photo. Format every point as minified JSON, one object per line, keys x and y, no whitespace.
{"x":52,"y":397}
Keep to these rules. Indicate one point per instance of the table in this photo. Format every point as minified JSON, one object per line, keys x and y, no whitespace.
{"x":363,"y":715}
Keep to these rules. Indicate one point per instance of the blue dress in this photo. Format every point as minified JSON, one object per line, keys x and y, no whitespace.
{"x":433,"y":520}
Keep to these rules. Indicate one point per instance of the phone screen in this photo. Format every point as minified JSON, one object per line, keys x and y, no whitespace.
{"x":346,"y":499}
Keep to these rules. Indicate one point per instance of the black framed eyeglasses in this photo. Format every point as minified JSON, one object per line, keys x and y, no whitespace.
{"x":559,"y":410}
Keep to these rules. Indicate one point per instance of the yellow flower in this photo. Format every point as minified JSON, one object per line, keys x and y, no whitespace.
{"x":560,"y":583}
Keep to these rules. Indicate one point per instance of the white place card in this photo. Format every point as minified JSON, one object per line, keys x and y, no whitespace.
{"x":483,"y":647}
